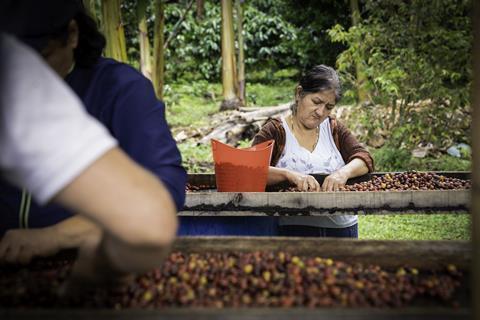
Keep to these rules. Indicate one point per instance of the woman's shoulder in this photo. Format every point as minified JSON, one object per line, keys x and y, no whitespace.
{"x":273,"y":127}
{"x":275,"y":122}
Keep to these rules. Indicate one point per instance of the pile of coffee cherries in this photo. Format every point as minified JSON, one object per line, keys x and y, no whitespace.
{"x":251,"y":279}
{"x":193,"y":188}
{"x":411,"y":180}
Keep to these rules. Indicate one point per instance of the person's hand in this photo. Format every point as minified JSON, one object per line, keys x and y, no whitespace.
{"x":335,"y":181}
{"x":92,"y":270}
{"x":303,"y":182}
{"x":21,"y":245}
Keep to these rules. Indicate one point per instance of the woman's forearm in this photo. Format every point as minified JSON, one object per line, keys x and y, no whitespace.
{"x":277,"y":175}
{"x":354,"y":168}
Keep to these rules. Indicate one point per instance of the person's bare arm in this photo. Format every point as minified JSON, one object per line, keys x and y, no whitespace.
{"x":130,"y":205}
{"x":134,"y":222}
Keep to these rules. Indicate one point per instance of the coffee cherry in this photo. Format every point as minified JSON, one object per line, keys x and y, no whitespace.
{"x":247,"y":279}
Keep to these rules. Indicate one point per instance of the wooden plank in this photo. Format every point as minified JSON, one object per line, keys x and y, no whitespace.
{"x":391,"y":254}
{"x":432,"y":313}
{"x":324,"y":203}
{"x":476,"y":162}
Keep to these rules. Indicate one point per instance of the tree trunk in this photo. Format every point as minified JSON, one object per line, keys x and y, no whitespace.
{"x":361,"y":78}
{"x":475,"y":205}
{"x":200,"y":9}
{"x":90,"y":6}
{"x":241,"y":57}
{"x":113,"y":30}
{"x":145,"y":55}
{"x":230,"y":99}
{"x":158,"y":51}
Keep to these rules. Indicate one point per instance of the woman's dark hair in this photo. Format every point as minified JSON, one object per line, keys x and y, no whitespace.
{"x":90,"y":41}
{"x":321,"y":78}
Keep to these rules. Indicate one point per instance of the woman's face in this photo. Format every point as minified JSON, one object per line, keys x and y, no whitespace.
{"x":313,"y":108}
{"x":60,"y":55}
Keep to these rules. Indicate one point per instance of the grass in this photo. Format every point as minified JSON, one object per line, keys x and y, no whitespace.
{"x":390,"y":159}
{"x":259,"y":94}
{"x":192,"y":104}
{"x":447,"y":226}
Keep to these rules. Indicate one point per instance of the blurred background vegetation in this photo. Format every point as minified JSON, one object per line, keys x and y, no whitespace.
{"x":414,"y":58}
{"x":405,"y":67}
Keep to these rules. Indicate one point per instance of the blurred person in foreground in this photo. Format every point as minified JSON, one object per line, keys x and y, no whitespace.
{"x":117,"y":95}
{"x":52,"y":147}
{"x":311,"y":140}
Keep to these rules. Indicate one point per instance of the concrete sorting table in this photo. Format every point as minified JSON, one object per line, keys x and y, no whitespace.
{"x":212,"y":203}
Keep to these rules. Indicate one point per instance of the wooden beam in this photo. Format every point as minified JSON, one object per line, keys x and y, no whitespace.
{"x":425,"y":313}
{"x":325,"y":203}
{"x":475,"y":211}
{"x":250,"y":213}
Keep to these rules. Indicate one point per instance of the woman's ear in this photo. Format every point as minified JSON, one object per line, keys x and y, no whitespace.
{"x":73,"y":33}
{"x":298,"y":92}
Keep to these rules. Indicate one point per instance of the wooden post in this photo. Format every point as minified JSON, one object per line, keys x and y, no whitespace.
{"x":229,"y":70}
{"x":145,"y":56}
{"x":475,"y":213}
{"x":113,"y":30}
{"x":158,"y":50}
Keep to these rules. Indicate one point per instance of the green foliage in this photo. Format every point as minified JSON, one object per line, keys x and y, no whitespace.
{"x":277,"y":35}
{"x":269,"y":40}
{"x":417,"y":62}
{"x":196,"y":158}
{"x":390,"y":159}
{"x":196,"y":50}
{"x":311,"y":20}
{"x":244,"y":144}
{"x":449,"y":226}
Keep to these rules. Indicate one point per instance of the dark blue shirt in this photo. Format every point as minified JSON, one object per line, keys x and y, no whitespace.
{"x":124,"y":101}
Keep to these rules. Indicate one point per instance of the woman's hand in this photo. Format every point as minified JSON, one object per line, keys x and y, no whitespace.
{"x":303,"y":182}
{"x":20,"y":246}
{"x":335,"y":181}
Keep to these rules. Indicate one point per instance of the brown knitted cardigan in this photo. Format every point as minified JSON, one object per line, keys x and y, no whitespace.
{"x":346,"y":143}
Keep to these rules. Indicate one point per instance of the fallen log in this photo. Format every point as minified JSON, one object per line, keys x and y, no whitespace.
{"x":243,"y":124}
